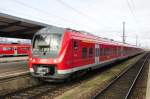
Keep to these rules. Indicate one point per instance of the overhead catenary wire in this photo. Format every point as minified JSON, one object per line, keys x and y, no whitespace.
{"x":132,"y":12}
{"x":81,"y":13}
{"x":46,"y":12}
{"x":132,"y":9}
{"x":137,"y":21}
{"x":64,"y":19}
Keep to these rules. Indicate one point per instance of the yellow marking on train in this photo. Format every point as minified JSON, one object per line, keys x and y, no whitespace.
{"x":87,"y":41}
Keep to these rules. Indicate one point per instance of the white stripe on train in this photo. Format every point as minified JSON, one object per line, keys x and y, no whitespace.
{"x":66,"y":71}
{"x":86,"y":66}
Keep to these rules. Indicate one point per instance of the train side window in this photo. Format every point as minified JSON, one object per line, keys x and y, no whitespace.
{"x":104,"y":52}
{"x":9,"y":48}
{"x":91,"y":52}
{"x":28,"y":48}
{"x":84,"y":52}
{"x":101,"y":51}
{"x":24,"y":49}
{"x":75,"y":45}
{"x":4,"y":48}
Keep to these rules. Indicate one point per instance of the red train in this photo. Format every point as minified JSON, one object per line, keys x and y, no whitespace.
{"x":14,"y":49}
{"x":59,"y":53}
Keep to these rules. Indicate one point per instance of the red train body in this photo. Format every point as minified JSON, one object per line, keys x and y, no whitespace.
{"x":58,"y":53}
{"x":14,"y":49}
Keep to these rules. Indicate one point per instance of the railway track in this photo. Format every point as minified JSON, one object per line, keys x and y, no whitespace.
{"x":49,"y":90}
{"x":121,"y":86}
{"x":41,"y":90}
{"x":32,"y":92}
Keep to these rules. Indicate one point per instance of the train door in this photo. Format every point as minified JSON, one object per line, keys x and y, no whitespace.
{"x":97,"y":51}
{"x":75,"y":52}
{"x":15,"y":51}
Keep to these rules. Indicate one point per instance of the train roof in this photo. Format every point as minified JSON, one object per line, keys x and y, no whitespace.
{"x":52,"y":29}
{"x":86,"y":35}
{"x":83,"y":35}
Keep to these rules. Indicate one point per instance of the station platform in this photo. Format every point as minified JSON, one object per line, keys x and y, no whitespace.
{"x":13,"y":59}
{"x":12,"y":69}
{"x":148,"y":84}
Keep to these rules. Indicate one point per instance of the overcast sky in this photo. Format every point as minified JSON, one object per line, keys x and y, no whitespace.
{"x":101,"y":17}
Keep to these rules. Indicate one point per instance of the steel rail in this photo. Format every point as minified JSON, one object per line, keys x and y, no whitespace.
{"x":114,"y":80}
{"x":133,"y":83}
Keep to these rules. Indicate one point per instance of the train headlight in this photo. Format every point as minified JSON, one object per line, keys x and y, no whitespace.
{"x":30,"y":59}
{"x":31,"y":70}
{"x":33,"y":60}
{"x":60,"y":59}
{"x":55,"y":60}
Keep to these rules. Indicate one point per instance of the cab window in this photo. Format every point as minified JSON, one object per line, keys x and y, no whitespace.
{"x":84,"y":52}
{"x":90,"y":52}
{"x":75,"y":45}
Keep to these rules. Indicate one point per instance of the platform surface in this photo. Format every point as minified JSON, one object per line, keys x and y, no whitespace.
{"x":13,"y":59}
{"x":148,"y":85}
{"x":13,"y":69}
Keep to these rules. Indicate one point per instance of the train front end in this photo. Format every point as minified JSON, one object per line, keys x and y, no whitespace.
{"x":45,"y":54}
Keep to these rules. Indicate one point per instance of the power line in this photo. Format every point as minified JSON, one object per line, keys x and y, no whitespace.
{"x":130,"y":8}
{"x":45,"y":12}
{"x":132,"y":12}
{"x":79,"y":12}
{"x":134,"y":8}
{"x":64,"y":19}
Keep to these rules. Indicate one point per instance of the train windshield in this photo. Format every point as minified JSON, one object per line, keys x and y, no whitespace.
{"x":47,"y":42}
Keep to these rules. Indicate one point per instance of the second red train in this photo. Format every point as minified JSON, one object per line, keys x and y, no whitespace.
{"x":14,"y":49}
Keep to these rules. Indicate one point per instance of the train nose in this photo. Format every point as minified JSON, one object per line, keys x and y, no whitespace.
{"x":44,"y":69}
